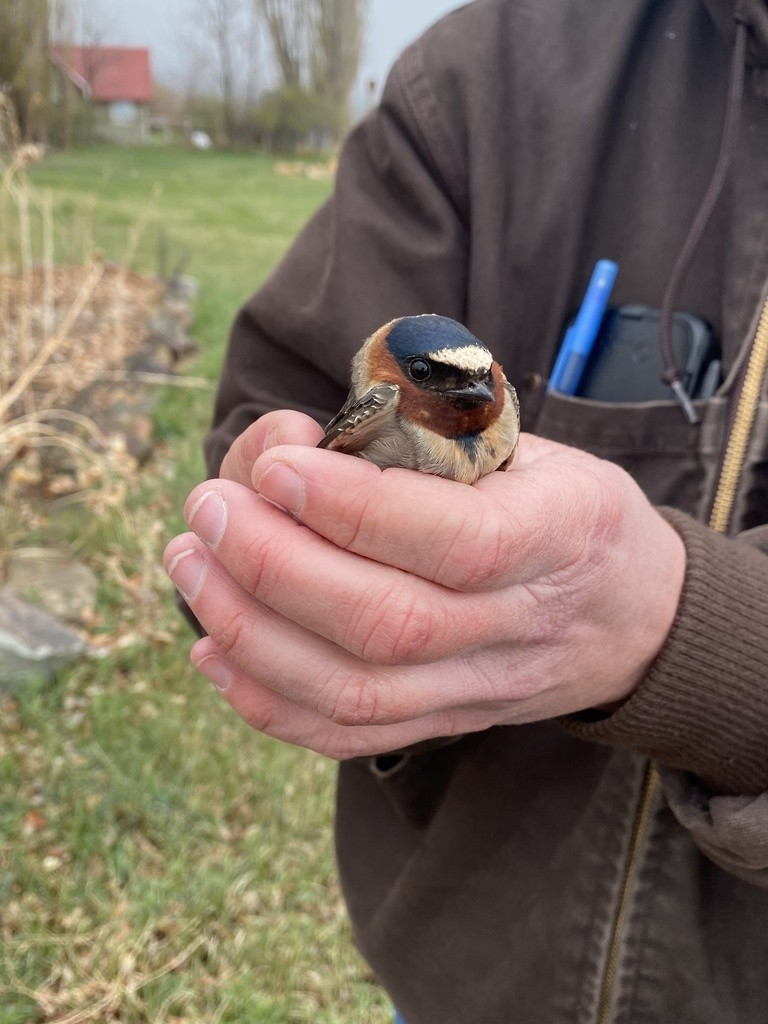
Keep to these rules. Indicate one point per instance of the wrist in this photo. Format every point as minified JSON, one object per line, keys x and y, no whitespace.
{"x":657,"y":580}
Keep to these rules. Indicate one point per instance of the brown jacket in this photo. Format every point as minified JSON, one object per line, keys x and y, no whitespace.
{"x":543,"y":874}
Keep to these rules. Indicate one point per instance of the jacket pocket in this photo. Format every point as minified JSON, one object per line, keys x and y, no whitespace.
{"x":674,"y":462}
{"x":415,"y":783}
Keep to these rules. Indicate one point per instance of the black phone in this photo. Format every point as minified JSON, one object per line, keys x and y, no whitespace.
{"x":625,"y":364}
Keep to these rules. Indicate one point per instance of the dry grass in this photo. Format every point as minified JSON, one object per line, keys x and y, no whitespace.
{"x":67,"y":325}
{"x":64,"y":328}
{"x":312,"y":170}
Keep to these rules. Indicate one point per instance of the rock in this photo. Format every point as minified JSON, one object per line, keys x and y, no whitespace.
{"x":124,"y":409}
{"x":166,"y":352}
{"x":106,"y":402}
{"x":51,"y":578}
{"x":184,"y":286}
{"x":163,"y":327}
{"x":33,"y":645}
{"x":131,"y":421}
{"x":180,"y":310}
{"x":139,"y":432}
{"x":152,"y":359}
{"x":182,"y":349}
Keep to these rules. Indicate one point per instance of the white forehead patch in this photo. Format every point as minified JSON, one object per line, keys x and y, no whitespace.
{"x":467,"y":357}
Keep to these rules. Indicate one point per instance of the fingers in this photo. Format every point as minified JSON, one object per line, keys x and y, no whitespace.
{"x":306,"y":668}
{"x":376,"y":612}
{"x":508,"y":528}
{"x":284,"y":719}
{"x":283,"y":427}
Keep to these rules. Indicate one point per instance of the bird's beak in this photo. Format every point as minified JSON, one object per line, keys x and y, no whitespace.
{"x":476,"y":393}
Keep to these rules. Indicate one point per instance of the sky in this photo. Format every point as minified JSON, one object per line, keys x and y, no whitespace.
{"x":158,"y":24}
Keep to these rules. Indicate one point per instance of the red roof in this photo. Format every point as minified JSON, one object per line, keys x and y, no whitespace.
{"x":107,"y":73}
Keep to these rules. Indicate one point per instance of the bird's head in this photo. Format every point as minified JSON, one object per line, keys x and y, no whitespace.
{"x":448,"y":380}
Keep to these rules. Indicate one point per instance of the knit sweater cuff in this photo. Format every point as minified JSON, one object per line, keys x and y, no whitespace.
{"x":703,"y":706}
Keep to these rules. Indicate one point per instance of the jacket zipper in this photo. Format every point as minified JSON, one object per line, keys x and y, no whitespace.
{"x":639,"y":831}
{"x":719,"y":520}
{"x":738,"y":438}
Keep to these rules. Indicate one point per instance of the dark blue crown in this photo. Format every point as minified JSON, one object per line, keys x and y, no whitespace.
{"x":419,"y":335}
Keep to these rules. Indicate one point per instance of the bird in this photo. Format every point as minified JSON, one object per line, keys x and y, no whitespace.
{"x":426,"y":394}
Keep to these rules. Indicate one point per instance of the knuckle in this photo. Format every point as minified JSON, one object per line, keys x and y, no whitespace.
{"x":607,"y":496}
{"x":261,"y":563}
{"x":357,"y":521}
{"x":354,"y":701}
{"x":228,"y":635}
{"x":338,"y":749}
{"x":493,"y":556}
{"x":261,"y":717}
{"x":239,"y":459}
{"x":395,"y":629}
{"x":601,"y":493}
{"x":478,"y":553}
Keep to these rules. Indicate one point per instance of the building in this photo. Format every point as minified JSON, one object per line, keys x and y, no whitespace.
{"x":109,"y":87}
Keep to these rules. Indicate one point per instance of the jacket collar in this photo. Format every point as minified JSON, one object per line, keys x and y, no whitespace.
{"x":755,"y":13}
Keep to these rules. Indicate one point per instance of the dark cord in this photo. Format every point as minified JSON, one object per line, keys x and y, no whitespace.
{"x":700,"y":221}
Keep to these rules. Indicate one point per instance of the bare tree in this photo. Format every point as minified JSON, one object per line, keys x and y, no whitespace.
{"x":225,"y":22}
{"x":317,"y":46}
{"x":196,"y":64}
{"x":93,"y":27}
{"x":338,"y":38}
{"x":79,"y":29}
{"x":62,"y":31}
{"x":24,"y":70}
{"x":288,"y":24}
{"x":252,"y":57}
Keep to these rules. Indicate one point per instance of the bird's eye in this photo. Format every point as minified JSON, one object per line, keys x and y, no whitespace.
{"x":420,"y":369}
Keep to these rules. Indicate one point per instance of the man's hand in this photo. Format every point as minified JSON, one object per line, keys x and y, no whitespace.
{"x":355,"y":611}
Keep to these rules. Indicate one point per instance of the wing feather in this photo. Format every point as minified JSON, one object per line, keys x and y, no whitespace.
{"x":362,"y":420}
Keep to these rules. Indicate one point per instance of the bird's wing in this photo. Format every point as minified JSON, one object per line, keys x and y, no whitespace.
{"x":362,"y":420}
{"x":513,"y":397}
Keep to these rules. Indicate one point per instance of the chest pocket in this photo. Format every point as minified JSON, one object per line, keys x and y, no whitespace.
{"x":674,"y":462}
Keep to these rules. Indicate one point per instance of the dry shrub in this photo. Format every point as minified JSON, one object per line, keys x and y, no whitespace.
{"x":64,"y":328}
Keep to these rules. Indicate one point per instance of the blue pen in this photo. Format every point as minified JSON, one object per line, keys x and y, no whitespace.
{"x":580,"y":336}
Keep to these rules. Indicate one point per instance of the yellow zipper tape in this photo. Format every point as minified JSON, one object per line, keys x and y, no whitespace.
{"x":742,"y":427}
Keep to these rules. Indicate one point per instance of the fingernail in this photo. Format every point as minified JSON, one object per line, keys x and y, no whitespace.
{"x":187,"y":571}
{"x":283,"y":486}
{"x":271,"y":440}
{"x":214,"y":669}
{"x":208,"y":518}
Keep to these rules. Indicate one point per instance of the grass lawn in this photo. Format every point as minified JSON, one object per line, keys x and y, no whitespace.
{"x":160,"y":862}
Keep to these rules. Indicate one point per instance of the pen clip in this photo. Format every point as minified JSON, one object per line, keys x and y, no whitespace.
{"x":685,"y":403}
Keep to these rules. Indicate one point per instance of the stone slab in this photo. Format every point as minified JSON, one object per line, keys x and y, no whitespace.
{"x":33,"y":644}
{"x":51,"y":578}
